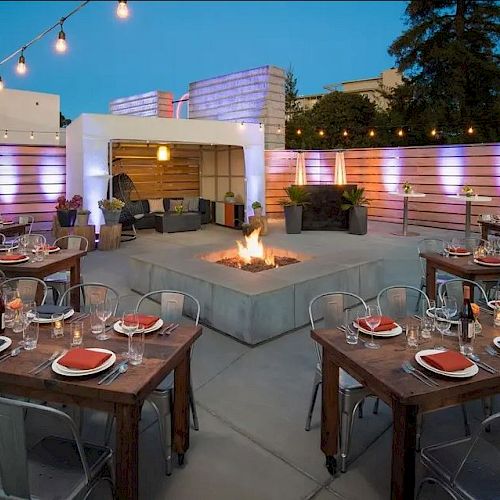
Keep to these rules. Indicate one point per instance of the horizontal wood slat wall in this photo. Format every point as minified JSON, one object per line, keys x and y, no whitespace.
{"x":438,"y":171}
{"x":31,"y":179}
{"x":176,"y":178}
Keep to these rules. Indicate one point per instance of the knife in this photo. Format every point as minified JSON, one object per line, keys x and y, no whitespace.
{"x":41,"y":366}
{"x":111,"y":373}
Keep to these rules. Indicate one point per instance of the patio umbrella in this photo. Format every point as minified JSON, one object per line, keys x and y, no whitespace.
{"x":300,"y":170}
{"x":340,"y":175}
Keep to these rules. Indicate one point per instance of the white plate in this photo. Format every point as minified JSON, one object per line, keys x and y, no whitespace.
{"x":458,"y":254}
{"x":486,"y":263}
{"x":6,"y":344}
{"x":430,"y":313}
{"x":49,"y":320}
{"x":468,"y":372}
{"x":54,"y":250}
{"x":496,"y":341}
{"x":4,"y":248}
{"x":389,"y":333}
{"x":491,"y":303}
{"x":68,"y":372}
{"x":7,"y":222}
{"x":118,"y":327}
{"x":20,"y":261}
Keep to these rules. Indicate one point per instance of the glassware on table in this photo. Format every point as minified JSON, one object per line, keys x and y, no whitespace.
{"x":373,"y":319}
{"x":57,"y":320}
{"x":426,"y":327}
{"x":104,"y":310}
{"x":351,"y":331}
{"x":38,"y":253}
{"x":137,"y":344}
{"x":30,"y":309}
{"x":465,"y":340}
{"x":18,"y":320}
{"x":129,"y":324}
{"x":451,"y":306}
{"x":76,"y":332}
{"x":30,"y":335}
{"x":95,"y":322}
{"x":412,"y":335}
{"x":443,"y":324}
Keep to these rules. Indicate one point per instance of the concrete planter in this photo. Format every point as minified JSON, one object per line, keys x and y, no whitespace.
{"x":82,"y":219}
{"x":111,"y":217}
{"x":358,"y":220}
{"x":293,"y":219}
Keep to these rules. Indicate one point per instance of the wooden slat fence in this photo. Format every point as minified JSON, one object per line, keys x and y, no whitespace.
{"x":31,"y":179}
{"x":438,"y":171}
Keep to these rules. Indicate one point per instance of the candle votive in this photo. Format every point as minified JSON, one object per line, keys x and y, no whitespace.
{"x":496,"y":314}
{"x":57,"y":325}
{"x":76,"y":328}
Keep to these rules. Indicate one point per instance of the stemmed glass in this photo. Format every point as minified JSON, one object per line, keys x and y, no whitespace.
{"x":129,"y":324}
{"x":443,"y":324}
{"x":104,"y":310}
{"x":451,"y":306}
{"x":373,"y":319}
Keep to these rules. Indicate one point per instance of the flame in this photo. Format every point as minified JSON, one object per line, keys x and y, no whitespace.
{"x":253,"y":248}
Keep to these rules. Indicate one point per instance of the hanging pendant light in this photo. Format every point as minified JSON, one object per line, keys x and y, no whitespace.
{"x":122,"y":9}
{"x":61,"y":44}
{"x":21,"y":65}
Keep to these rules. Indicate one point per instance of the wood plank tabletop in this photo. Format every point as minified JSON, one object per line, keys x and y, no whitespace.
{"x":53,"y":260}
{"x":459,"y":265}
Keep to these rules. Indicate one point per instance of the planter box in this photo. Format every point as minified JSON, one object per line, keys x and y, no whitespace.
{"x":293,"y":219}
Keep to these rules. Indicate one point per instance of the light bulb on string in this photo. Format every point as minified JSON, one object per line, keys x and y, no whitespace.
{"x":1,"y":83}
{"x":32,"y":135}
{"x":345,"y":133}
{"x":6,"y":135}
{"x":21,"y":65}
{"x":470,"y":130}
{"x":261,"y":126}
{"x":122,"y":9}
{"x":401,"y":132}
{"x":57,"y":136}
{"x":321,"y":133}
{"x":433,"y":132}
{"x":61,"y":44}
{"x":299,"y":132}
{"x":279,"y":129}
{"x":371,"y":133}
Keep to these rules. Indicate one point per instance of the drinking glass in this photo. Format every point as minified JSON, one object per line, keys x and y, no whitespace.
{"x":95,"y":321}
{"x":136,"y":342}
{"x":451,"y":306}
{"x":30,"y":335}
{"x":351,"y":331}
{"x":104,"y":310}
{"x":23,"y":244}
{"x":76,"y":331}
{"x":30,"y":308}
{"x":373,"y":319}
{"x":57,"y":325}
{"x":17,"y":322}
{"x":426,"y":327}
{"x":10,"y":313}
{"x":412,"y":334}
{"x":442,"y":324}
{"x":129,"y":324}
{"x":465,"y":342}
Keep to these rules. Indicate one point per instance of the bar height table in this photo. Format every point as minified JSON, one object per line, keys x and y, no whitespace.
{"x":468,"y":207}
{"x":405,"y":197}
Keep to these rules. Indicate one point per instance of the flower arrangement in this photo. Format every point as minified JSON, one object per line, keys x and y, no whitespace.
{"x":113,"y":204}
{"x":65,"y":204}
{"x":467,"y":190}
{"x":256,"y":204}
{"x":407,"y":187}
{"x":179,"y":209}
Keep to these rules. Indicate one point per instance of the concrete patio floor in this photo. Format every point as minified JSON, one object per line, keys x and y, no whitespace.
{"x":252,"y":402}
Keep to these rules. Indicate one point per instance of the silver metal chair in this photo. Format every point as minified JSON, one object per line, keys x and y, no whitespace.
{"x":454,"y":288}
{"x":53,"y":467}
{"x":92,"y":293}
{"x":466,"y":468}
{"x":2,"y":238}
{"x":59,"y":282}
{"x":27,"y":288}
{"x":28,"y":220}
{"x":329,"y":308}
{"x":29,"y":238}
{"x":430,"y":245}
{"x":174,"y":305}
{"x":3,"y":277}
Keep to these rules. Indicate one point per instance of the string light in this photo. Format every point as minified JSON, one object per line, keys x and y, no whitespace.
{"x":371,"y":133}
{"x":401,"y":132}
{"x":470,"y":130}
{"x":345,"y":133}
{"x":32,"y":135}
{"x":299,"y":132}
{"x":433,"y":132}
{"x":21,"y":65}
{"x":61,"y":44}
{"x":122,"y":9}
{"x":261,"y":126}
{"x":57,"y":136}
{"x":5,"y":135}
{"x":321,"y":133}
{"x":279,"y":129}
{"x":1,"y":83}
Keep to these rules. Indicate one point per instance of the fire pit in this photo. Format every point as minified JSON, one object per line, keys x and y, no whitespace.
{"x":252,"y":256}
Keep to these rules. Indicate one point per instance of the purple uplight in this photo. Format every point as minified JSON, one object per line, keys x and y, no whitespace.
{"x":391,"y":170}
{"x":451,"y":169}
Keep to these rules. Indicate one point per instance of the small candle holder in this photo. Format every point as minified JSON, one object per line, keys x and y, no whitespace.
{"x":496,"y":315}
{"x":57,"y":325}
{"x":76,"y":333}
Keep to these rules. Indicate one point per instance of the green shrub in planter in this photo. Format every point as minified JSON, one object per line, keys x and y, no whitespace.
{"x":356,"y":203}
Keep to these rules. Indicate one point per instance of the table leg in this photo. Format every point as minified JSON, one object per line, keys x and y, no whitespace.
{"x":180,"y":417}
{"x":468,"y":211}
{"x":74,"y":279}
{"x":405,"y":231}
{"x":330,"y":410}
{"x":430,"y":280}
{"x":484,"y":231}
{"x":127,"y":452}
{"x":403,"y":451}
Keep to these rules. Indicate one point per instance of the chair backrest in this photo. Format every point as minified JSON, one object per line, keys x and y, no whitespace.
{"x":92,"y":293}
{"x":330,"y":308}
{"x":3,"y":277}
{"x":27,"y":288}
{"x":31,"y":237}
{"x":14,"y":473}
{"x":429,"y":245}
{"x":28,"y":220}
{"x":455,"y":288}
{"x":173,"y":305}
{"x":2,"y":238}
{"x":72,"y":242}
{"x":400,"y":301}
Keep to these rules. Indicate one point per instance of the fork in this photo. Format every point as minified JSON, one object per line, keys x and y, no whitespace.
{"x":421,"y":373}
{"x":492,"y":351}
{"x":415,"y":374}
{"x":39,"y":368}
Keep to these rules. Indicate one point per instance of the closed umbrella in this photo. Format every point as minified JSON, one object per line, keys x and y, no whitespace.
{"x":300,"y":170}
{"x":340,"y":175}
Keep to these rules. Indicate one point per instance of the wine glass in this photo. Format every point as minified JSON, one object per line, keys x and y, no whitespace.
{"x":451,"y":306}
{"x":104,"y":310}
{"x":373,"y":319}
{"x":443,"y":324}
{"x":129,"y":325}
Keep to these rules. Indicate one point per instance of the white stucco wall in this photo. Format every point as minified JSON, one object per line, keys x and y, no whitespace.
{"x":89,"y":135}
{"x":22,"y":111}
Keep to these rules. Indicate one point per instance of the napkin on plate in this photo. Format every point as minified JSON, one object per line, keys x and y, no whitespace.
{"x":47,"y":310}
{"x":386,"y":324}
{"x":458,"y":250}
{"x":84,"y":359}
{"x":145,"y":320}
{"x":489,"y":259}
{"x":448,"y":361}
{"x":12,"y":256}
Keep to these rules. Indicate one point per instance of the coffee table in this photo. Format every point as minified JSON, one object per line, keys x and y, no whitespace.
{"x":175,"y":223}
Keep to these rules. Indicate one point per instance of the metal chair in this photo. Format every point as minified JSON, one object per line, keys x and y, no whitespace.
{"x":454,"y":288}
{"x":59,"y":282}
{"x":27,"y":288}
{"x":2,"y":238}
{"x":53,"y":467}
{"x":330,"y":308}
{"x":466,"y":468}
{"x":434,"y":245}
{"x":93,"y":291}
{"x":28,"y":220}
{"x":3,"y":277}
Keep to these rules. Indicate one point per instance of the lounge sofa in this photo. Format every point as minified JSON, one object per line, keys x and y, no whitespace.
{"x":145,"y":217}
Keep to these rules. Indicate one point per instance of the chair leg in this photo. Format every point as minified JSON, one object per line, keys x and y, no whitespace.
{"x":433,"y":480}
{"x":349,"y":405}
{"x":487,"y":410}
{"x":161,"y":406}
{"x":316,"y":384}
{"x":375,"y":406}
{"x":192,"y":403}
{"x":466,"y":419}
{"x":360,"y":409}
{"x":420,"y":425}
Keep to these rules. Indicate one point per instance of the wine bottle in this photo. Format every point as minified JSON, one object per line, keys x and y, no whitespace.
{"x":467,"y":317}
{"x":2,"y":314}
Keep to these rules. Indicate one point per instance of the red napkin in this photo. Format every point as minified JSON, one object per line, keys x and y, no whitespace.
{"x":145,"y":320}
{"x":12,"y":256}
{"x":84,"y":359}
{"x":50,"y":247}
{"x":458,"y":250}
{"x":489,"y":259}
{"x":386,"y":324}
{"x":448,"y":361}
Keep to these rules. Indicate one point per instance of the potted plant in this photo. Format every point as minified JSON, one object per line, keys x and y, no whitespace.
{"x":257,"y":208}
{"x":229,"y":197}
{"x":111,"y":209}
{"x":66,"y":210}
{"x":468,"y":191}
{"x":356,"y":203}
{"x":297,"y":197}
{"x":179,"y":209}
{"x":82,"y":217}
{"x":407,"y":187}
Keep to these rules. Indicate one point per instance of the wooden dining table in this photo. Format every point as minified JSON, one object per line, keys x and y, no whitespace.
{"x":64,"y":260}
{"x":124,"y":397}
{"x":463,"y":267}
{"x":380,"y":371}
{"x":12,"y":229}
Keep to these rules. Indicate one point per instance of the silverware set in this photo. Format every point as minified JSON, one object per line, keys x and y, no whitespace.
{"x":410,"y":369}
{"x":12,"y":354}
{"x":114,"y":373}
{"x":45,"y":364}
{"x":485,"y":366}
{"x":492,"y":351}
{"x":169,"y":329}
{"x":78,"y":317}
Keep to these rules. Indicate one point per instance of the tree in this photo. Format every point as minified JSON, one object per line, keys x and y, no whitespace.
{"x":291,"y":103}
{"x":63,"y":121}
{"x":449,"y":58}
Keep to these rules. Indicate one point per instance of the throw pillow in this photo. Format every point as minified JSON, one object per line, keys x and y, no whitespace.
{"x":191,"y":204}
{"x":173,"y":204}
{"x":156,"y":205}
